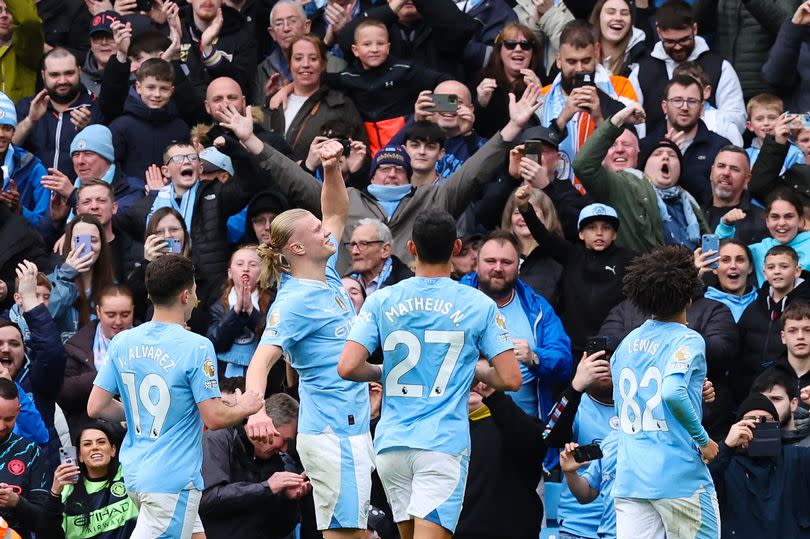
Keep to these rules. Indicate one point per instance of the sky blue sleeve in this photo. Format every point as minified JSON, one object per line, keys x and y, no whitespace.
{"x":676,"y":398}
{"x":495,"y":337}
{"x":202,"y":372}
{"x":105,"y":379}
{"x":366,"y":330}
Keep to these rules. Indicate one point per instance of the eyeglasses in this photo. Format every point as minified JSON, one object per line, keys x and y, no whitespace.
{"x":510,"y":44}
{"x":262,"y":221}
{"x":361,"y":245}
{"x":386,"y":169}
{"x":683,"y":42}
{"x":758,"y":418}
{"x":190,"y":157}
{"x":679,"y":102}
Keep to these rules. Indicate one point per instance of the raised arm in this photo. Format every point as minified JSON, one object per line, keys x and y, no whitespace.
{"x":334,"y":197}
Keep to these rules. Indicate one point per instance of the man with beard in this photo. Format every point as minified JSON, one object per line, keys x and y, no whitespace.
{"x":653,"y":209}
{"x":541,"y":345}
{"x":680,"y":43}
{"x":49,"y":120}
{"x":682,"y":107}
{"x":794,"y":422}
{"x":729,"y":179}
{"x":581,"y":107}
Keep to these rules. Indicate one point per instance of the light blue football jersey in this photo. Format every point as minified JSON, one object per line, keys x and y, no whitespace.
{"x":600,"y":475}
{"x":161,"y":371}
{"x":310,"y":320}
{"x":433,"y":331}
{"x":593,"y":423}
{"x":656,"y":456}
{"x":520,"y":327}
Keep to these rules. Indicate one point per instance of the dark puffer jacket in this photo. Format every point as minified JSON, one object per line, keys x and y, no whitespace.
{"x":788,"y":66}
{"x":760,"y":340}
{"x":141,"y":134}
{"x":745,"y":32}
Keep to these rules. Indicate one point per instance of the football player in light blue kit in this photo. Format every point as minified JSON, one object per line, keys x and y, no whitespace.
{"x":433,"y":331}
{"x":167,"y":379}
{"x":309,"y":321}
{"x":663,"y":487}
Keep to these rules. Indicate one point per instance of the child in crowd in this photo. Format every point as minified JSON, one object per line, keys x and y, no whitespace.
{"x":383,"y":89}
{"x":760,"y":325}
{"x":150,"y":120}
{"x":763,"y":112}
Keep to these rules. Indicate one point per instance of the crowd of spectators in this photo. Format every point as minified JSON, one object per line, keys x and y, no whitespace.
{"x":575,"y":135}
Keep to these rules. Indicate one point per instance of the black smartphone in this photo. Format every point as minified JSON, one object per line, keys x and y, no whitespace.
{"x":445,"y":102}
{"x":767,"y":440}
{"x":143,"y":5}
{"x":711,"y":242}
{"x":586,"y":453}
{"x":583,"y":78}
{"x":533,"y":149}
{"x":595,"y":344}
{"x":347,"y":146}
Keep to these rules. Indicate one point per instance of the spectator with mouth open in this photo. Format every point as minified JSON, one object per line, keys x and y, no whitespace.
{"x":653,"y":209}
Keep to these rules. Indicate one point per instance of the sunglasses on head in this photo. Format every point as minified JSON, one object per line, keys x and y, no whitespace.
{"x":510,"y":44}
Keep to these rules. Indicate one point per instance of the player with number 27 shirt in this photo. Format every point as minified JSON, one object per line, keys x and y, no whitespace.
{"x":663,"y":487}
{"x":433,"y":331}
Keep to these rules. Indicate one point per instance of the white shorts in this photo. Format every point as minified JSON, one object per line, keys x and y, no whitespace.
{"x":170,"y":516}
{"x":695,"y":517}
{"x":339,"y":469}
{"x":424,"y":484}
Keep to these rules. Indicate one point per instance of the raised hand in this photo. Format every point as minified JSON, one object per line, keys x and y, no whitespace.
{"x":591,"y":369}
{"x":155,"y":181}
{"x":154,"y":247}
{"x":57,"y":182}
{"x":357,"y":155}
{"x":484,"y":90}
{"x":122,"y":35}
{"x":632,"y":114}
{"x":39,"y":106}
{"x":240,"y":124}
{"x":211,"y":33}
{"x":80,"y":117}
{"x":733,"y":216}
{"x":423,"y":108}
{"x":330,"y":153}
{"x":522,"y":197}
{"x":802,"y":15}
{"x":520,"y":111}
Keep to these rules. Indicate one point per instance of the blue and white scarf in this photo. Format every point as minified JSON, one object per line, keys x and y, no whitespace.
{"x":378,"y":281}
{"x":8,"y":165}
{"x":101,"y":345}
{"x":672,"y":230}
{"x":166,"y":198}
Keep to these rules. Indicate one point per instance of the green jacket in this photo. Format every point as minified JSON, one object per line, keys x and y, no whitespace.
{"x":745,"y":31}
{"x":628,"y":191}
{"x":19,"y":61}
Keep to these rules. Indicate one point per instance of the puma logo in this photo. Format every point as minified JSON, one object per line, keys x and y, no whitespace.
{"x":611,"y":269}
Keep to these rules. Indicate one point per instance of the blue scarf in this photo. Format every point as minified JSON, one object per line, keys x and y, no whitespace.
{"x":100,"y":346}
{"x":736,"y":304}
{"x":674,"y":232}
{"x":238,"y":356}
{"x":8,"y":165}
{"x":166,"y":198}
{"x":389,"y":196}
{"x":384,"y":274}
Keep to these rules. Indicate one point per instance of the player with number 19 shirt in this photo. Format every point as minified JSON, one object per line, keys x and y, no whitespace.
{"x":161,"y":371}
{"x":658,"y":458}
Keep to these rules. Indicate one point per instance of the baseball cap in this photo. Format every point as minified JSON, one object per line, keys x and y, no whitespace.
{"x":552,"y":137}
{"x":598,"y":212}
{"x":214,"y":160}
{"x":103,"y":22}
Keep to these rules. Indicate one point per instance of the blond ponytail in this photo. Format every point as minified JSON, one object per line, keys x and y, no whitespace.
{"x":274,"y":263}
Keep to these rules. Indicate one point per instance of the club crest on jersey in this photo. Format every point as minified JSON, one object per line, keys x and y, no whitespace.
{"x":274,"y":318}
{"x":500,"y":320}
{"x":340,"y":302}
{"x":682,"y":354}
{"x":208,"y":367}
{"x":118,"y":489}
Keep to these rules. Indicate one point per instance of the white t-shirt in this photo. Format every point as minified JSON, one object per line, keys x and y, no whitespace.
{"x":294,"y":104}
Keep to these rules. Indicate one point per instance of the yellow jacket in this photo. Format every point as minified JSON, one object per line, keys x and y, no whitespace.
{"x":19,"y":61}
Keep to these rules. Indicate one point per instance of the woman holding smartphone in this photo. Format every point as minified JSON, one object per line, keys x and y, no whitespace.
{"x":88,"y":497}
{"x":87,"y":270}
{"x":166,"y":233}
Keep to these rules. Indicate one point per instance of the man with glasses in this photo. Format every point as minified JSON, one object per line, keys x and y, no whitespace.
{"x":682,"y":107}
{"x":373,"y":264}
{"x":680,"y":43}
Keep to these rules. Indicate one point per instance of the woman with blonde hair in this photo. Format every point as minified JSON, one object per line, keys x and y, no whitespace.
{"x":537,"y":269}
{"x":309,"y":321}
